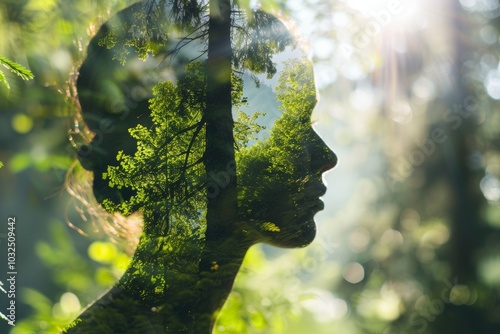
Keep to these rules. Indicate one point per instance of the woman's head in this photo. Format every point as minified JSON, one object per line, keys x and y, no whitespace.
{"x":147,"y":115}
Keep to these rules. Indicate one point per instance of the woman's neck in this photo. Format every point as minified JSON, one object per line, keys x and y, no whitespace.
{"x":167,"y":276}
{"x":166,"y":288}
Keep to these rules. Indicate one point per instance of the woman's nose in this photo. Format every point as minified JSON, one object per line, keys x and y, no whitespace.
{"x":327,"y":160}
{"x":322,"y":157}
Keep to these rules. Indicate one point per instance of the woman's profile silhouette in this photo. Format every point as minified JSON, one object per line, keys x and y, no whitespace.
{"x":143,"y":92}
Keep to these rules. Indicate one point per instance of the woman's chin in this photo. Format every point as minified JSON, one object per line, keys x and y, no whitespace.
{"x":297,"y":236}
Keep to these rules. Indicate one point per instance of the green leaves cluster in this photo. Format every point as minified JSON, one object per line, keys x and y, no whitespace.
{"x":166,"y":172}
{"x":297,"y":93}
{"x":246,"y":128}
{"x":276,"y":161}
{"x":258,"y":40}
{"x":15,"y":68}
{"x":274,"y":175}
{"x":141,"y":30}
{"x":145,"y":27}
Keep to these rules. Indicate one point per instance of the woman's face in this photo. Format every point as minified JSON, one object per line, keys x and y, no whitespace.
{"x":280,"y":177}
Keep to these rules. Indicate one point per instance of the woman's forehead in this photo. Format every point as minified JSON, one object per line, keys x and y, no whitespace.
{"x":260,"y":91}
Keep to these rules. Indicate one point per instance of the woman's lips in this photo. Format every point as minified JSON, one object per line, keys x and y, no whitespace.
{"x":316,"y":189}
{"x":313,"y":192}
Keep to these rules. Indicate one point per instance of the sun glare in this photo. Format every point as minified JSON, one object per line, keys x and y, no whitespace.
{"x":364,"y":5}
{"x":402,"y":14}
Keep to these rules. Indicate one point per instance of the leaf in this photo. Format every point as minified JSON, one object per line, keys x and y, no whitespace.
{"x":270,"y":227}
{"x":15,"y":68}
{"x":4,"y":80}
{"x":2,"y":316}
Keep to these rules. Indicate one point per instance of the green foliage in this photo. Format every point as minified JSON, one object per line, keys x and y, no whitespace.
{"x":246,"y":128}
{"x":74,"y":275}
{"x":264,"y":298}
{"x":143,"y":31}
{"x":258,"y":39}
{"x":24,"y":160}
{"x":15,"y":68}
{"x":280,"y":165}
{"x":167,"y":171}
{"x":146,"y":27}
{"x":297,"y":93}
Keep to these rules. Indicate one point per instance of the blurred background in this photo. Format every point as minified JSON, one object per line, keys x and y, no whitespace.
{"x":409,"y":241}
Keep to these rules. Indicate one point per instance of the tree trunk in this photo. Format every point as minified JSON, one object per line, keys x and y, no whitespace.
{"x":221,"y":257}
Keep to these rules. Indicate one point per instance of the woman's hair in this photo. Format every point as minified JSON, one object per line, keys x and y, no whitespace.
{"x":112,"y":96}
{"x":122,"y":230}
